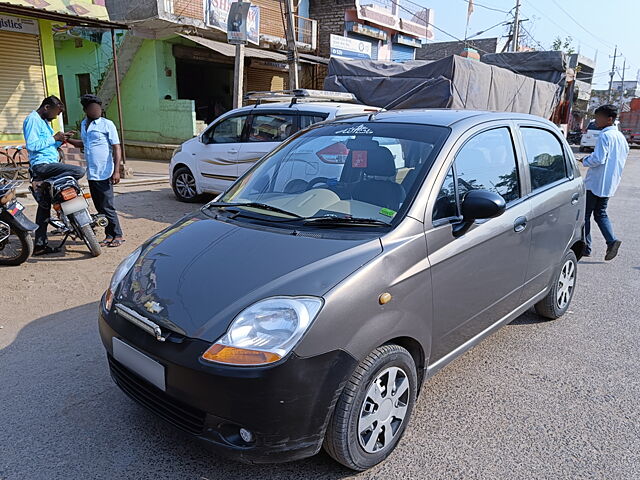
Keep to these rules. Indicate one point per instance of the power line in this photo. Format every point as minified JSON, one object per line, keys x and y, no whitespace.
{"x":605,"y":43}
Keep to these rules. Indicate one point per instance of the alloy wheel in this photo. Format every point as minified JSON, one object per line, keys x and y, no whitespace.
{"x":566,"y":283}
{"x":383,"y":410}
{"x":186,"y":185}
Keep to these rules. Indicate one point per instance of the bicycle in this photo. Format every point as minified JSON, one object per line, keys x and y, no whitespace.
{"x":14,"y":162}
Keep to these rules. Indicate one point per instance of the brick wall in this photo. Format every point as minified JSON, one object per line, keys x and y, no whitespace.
{"x":330,"y":17}
{"x":189,"y":9}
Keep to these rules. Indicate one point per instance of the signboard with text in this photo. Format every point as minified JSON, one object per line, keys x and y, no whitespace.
{"x":345,"y":47}
{"x":19,"y":25}
{"x":218,"y":16}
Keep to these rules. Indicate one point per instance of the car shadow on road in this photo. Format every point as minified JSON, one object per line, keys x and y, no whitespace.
{"x":61,"y":414}
{"x":157,"y":204}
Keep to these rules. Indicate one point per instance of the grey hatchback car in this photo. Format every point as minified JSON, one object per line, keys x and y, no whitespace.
{"x":306,"y":305}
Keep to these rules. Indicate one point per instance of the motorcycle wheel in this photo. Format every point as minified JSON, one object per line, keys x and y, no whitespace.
{"x":89,"y":237}
{"x":16,"y":249}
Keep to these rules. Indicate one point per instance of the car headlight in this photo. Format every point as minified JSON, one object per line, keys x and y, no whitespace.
{"x":265,"y":332}
{"x":119,"y":274}
{"x":176,"y":150}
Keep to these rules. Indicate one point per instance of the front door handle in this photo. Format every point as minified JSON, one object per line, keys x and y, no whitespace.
{"x":233,"y":151}
{"x":520,"y":224}
{"x":575,"y":198}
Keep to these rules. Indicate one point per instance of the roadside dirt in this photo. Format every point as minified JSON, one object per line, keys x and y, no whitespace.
{"x":45,"y":285}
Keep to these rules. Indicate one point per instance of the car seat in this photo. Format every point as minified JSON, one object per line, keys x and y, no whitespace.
{"x":378,"y":186}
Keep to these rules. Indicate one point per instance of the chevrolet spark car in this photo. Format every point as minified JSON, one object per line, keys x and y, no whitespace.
{"x":306,"y":305}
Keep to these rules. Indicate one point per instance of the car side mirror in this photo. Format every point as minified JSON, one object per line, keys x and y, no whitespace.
{"x":479,"y":205}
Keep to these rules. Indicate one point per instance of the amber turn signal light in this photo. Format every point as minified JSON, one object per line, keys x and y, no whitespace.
{"x":238,"y":356}
{"x":68,"y":194}
{"x":87,"y":195}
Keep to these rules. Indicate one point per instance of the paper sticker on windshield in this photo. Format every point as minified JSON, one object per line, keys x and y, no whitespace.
{"x":387,"y":212}
{"x":359,"y":159}
{"x":359,"y":130}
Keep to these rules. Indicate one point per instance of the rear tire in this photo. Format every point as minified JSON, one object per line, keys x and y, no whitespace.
{"x":26,"y":242}
{"x":89,"y":237}
{"x":366,"y":426}
{"x":184,"y":186}
{"x":558,"y":300}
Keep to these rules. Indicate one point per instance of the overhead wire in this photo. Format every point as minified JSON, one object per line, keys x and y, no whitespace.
{"x":603,"y":42}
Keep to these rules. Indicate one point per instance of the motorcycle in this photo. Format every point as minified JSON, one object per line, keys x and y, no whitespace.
{"x":16,"y":242}
{"x":72,"y":209}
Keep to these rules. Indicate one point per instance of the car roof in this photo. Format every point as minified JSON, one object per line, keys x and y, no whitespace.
{"x":441,"y":117}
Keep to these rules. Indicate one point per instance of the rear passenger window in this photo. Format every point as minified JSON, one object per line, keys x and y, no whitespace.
{"x":272,"y":127}
{"x":488,"y":162}
{"x":310,"y":119}
{"x":545,"y":157}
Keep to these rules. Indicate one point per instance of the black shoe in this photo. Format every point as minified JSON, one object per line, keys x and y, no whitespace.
{"x":44,"y":250}
{"x":586,"y":253}
{"x":612,"y":250}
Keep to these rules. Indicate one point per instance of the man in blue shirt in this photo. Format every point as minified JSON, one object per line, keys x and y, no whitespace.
{"x":44,"y":161}
{"x":605,"y":171}
{"x":103,"y":154}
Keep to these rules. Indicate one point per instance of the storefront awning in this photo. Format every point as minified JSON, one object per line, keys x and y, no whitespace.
{"x":230,"y":51}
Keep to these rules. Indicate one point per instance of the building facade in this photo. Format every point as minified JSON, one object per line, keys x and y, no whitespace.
{"x":177,"y":67}
{"x":390,"y":29}
{"x":29,"y":56}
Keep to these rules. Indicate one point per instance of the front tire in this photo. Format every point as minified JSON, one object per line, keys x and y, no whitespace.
{"x":184,"y":186}
{"x":89,"y":237}
{"x":19,"y":247}
{"x":558,"y":300}
{"x":374,"y":409}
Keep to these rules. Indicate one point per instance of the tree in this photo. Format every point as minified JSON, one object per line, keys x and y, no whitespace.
{"x":560,"y":45}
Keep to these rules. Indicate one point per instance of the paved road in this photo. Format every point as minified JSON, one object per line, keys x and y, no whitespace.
{"x":537,"y":400}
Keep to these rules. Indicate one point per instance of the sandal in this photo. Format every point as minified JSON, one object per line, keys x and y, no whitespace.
{"x":46,"y":250}
{"x":106,"y":242}
{"x":116,"y":242}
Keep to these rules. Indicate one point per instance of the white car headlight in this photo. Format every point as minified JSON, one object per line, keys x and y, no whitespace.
{"x":119,"y":274}
{"x":265,"y":332}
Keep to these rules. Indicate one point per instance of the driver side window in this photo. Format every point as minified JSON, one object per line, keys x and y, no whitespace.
{"x":227,"y":131}
{"x":486,"y":162}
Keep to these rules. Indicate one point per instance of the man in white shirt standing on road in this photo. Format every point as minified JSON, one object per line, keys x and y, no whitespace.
{"x":603,"y":177}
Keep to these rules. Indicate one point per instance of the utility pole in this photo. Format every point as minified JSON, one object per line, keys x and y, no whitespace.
{"x":238,"y":77}
{"x":515,"y":41}
{"x":292,"y":48}
{"x":611,"y":75}
{"x":238,"y":74}
{"x":624,"y":67}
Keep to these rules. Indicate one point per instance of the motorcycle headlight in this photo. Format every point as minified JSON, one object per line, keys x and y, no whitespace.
{"x":119,"y":274}
{"x":265,"y":332}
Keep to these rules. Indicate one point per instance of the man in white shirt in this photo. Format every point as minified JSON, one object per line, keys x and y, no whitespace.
{"x":603,"y":177}
{"x":103,"y":155}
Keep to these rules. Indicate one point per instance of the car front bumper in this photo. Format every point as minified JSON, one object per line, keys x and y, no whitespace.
{"x":285,"y":406}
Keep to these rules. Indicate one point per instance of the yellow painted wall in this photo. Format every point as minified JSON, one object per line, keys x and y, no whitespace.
{"x":49,"y":61}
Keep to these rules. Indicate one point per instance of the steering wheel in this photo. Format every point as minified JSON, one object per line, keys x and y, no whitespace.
{"x":316,"y":181}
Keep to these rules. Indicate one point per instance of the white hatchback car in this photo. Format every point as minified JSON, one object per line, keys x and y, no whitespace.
{"x":212,"y":161}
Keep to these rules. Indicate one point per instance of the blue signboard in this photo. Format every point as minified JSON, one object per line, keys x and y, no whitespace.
{"x":345,"y":47}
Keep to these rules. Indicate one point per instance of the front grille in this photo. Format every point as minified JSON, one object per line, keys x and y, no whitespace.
{"x":177,"y":413}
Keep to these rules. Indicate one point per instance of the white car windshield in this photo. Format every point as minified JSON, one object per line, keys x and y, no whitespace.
{"x":342,"y":171}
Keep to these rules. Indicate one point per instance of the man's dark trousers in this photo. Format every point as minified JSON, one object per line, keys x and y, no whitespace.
{"x":597,"y":206}
{"x":50,"y":171}
{"x":102,"y":195}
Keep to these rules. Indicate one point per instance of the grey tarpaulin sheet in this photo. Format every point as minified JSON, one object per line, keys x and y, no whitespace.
{"x":547,"y":66}
{"x":453,"y":82}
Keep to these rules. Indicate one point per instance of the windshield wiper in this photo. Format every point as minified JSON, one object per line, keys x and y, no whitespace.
{"x":258,"y":205}
{"x":331,"y":220}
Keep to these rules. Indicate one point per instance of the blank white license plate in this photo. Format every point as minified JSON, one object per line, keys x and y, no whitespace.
{"x":139,"y":363}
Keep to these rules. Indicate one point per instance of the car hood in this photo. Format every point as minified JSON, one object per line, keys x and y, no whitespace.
{"x":196,"y":276}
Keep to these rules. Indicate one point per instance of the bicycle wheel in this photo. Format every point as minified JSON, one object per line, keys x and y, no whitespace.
{"x":21,"y":160}
{"x":8,"y":167}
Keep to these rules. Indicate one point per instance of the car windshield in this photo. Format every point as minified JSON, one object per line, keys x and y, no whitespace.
{"x":343,"y":173}
{"x":592,"y":126}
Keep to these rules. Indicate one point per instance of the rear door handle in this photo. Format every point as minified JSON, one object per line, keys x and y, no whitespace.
{"x":233,"y":150}
{"x":520,"y":224}
{"x":575,"y":198}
